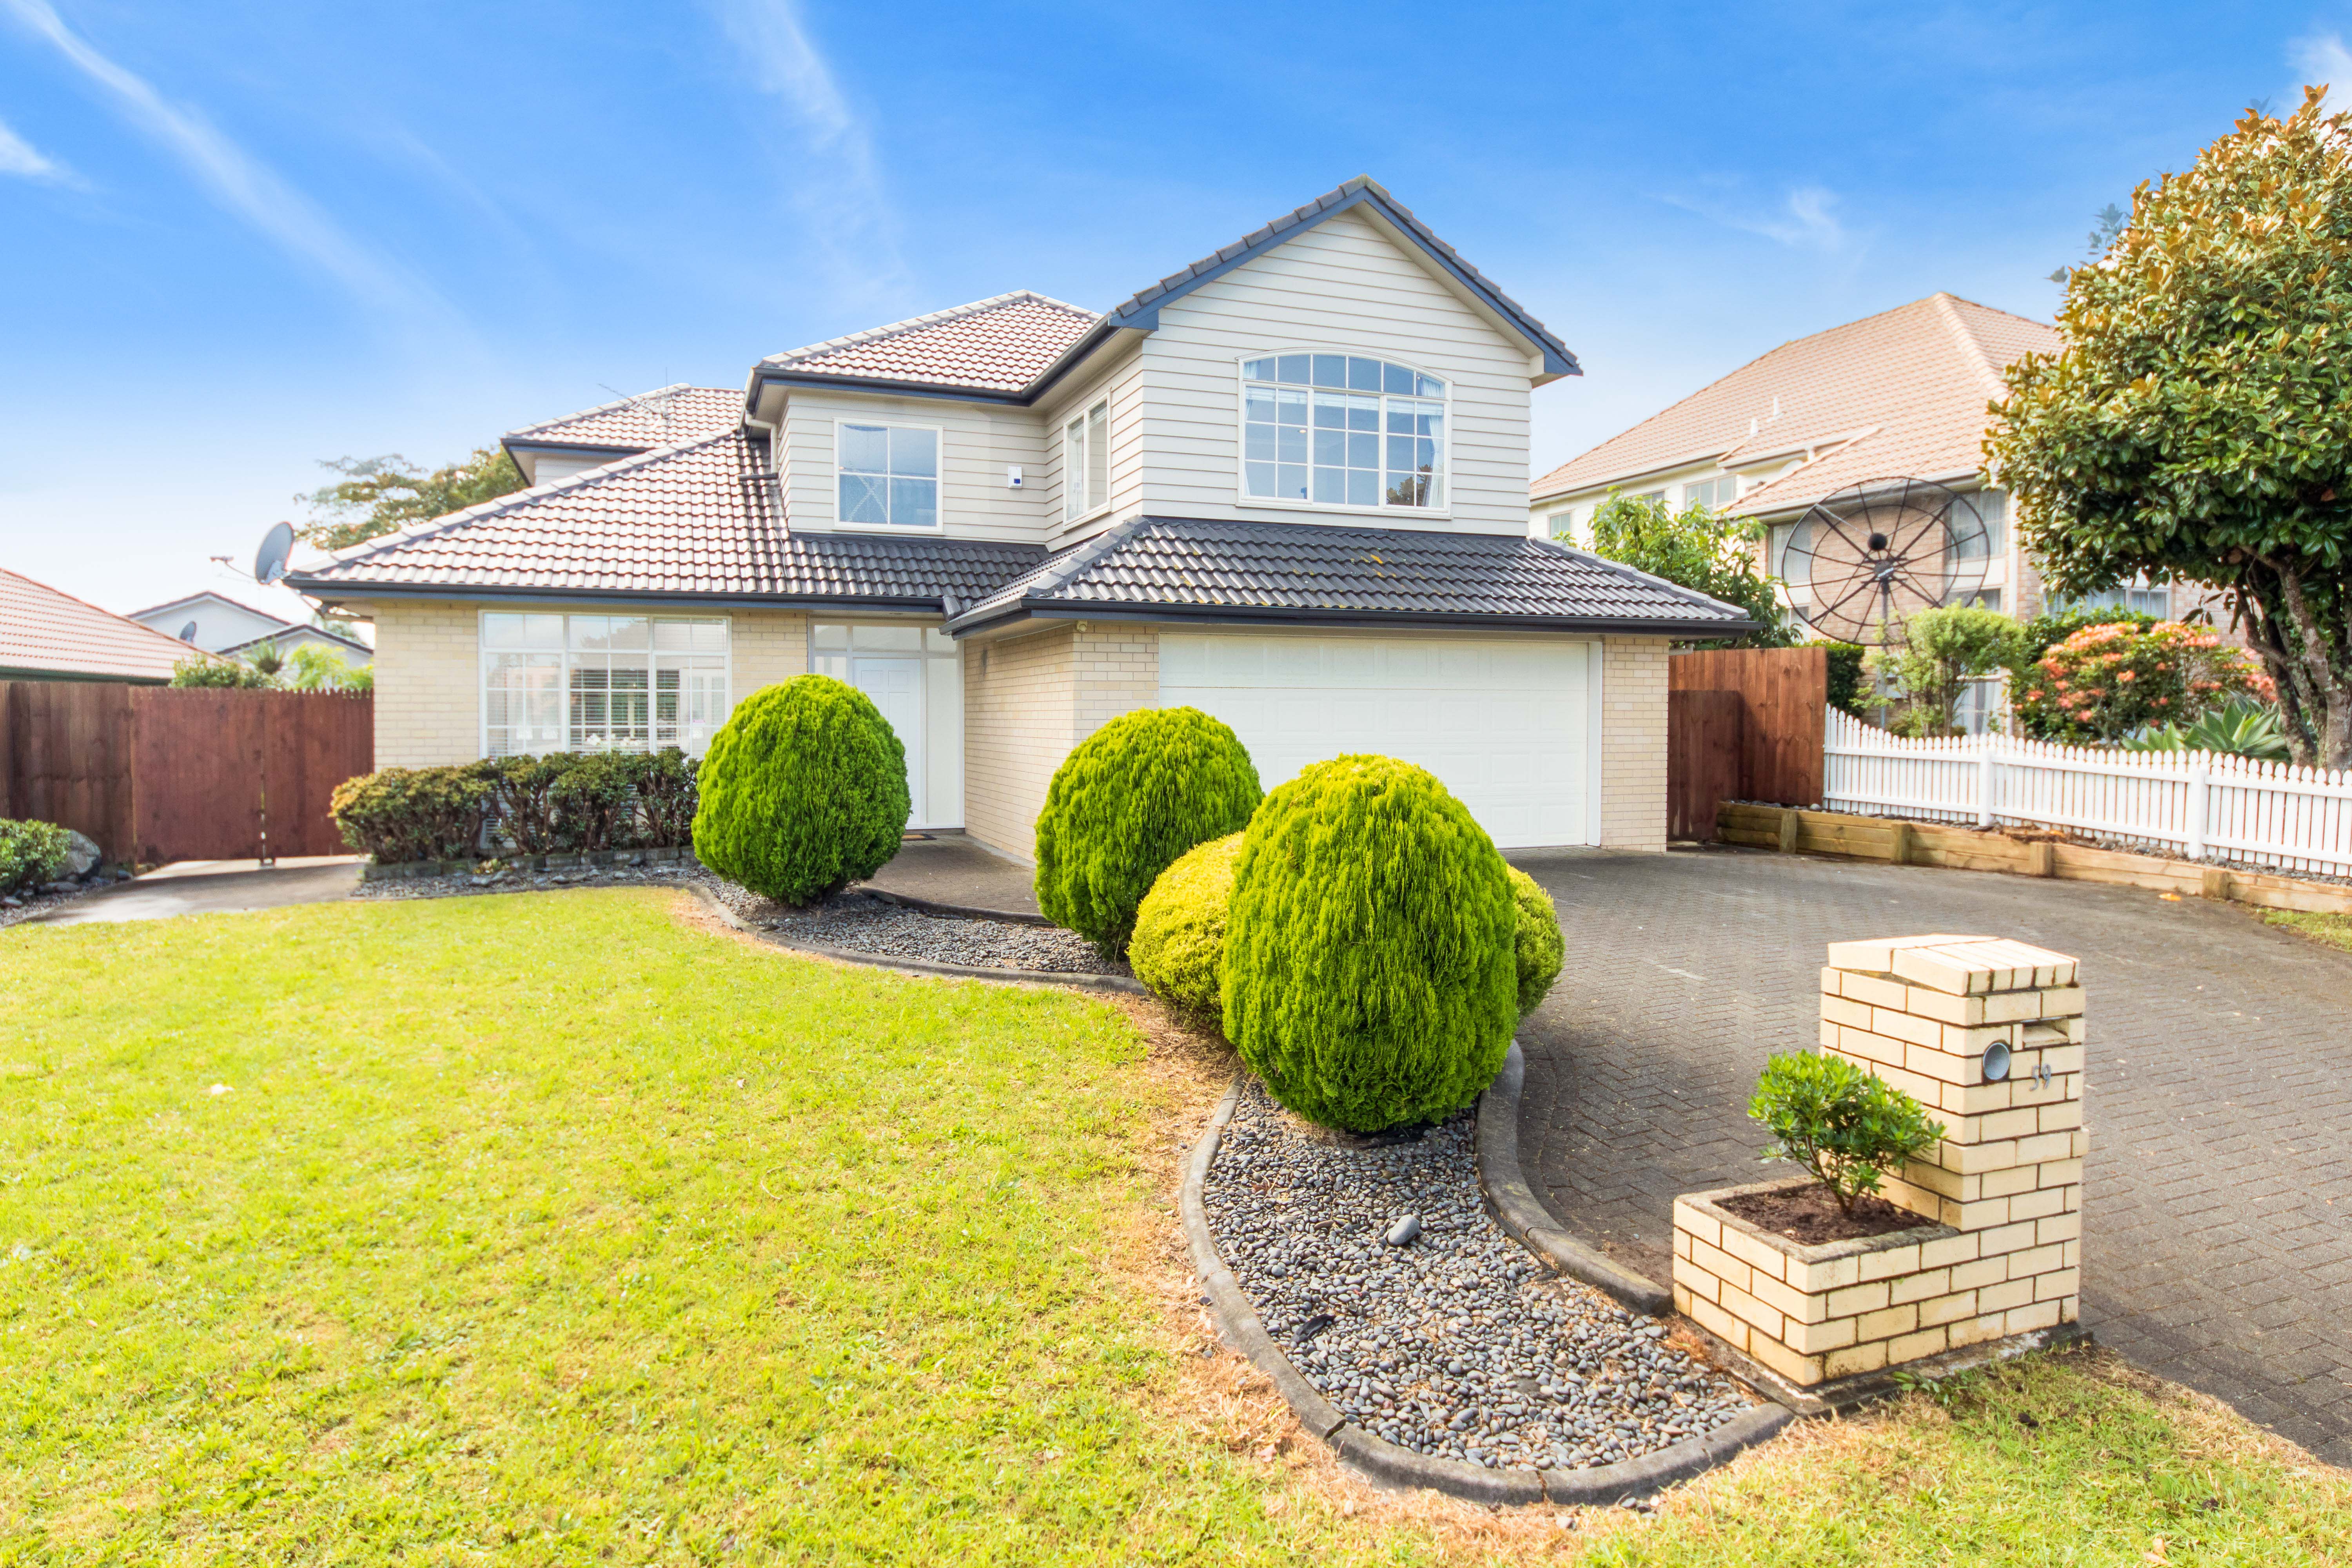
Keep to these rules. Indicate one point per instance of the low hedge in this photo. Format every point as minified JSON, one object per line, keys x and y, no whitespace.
{"x":561,"y":802}
{"x":1537,"y":947}
{"x":804,"y":792}
{"x":1126,"y":802}
{"x":1179,"y":947}
{"x":1371,"y":970}
{"x":31,"y":853}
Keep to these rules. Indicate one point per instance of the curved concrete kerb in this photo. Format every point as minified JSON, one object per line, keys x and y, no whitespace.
{"x":1383,"y":1461}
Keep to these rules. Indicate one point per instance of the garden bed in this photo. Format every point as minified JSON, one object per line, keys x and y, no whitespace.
{"x":1458,"y":1344}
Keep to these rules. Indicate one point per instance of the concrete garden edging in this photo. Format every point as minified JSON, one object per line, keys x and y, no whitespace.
{"x":918,"y":967}
{"x":1383,"y":1461}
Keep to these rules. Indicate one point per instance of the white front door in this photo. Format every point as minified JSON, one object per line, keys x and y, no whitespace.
{"x":1506,"y":725}
{"x":895,"y":687}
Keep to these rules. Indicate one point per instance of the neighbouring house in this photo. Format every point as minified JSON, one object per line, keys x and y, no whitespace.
{"x":218,"y":624}
{"x":1899,"y":394}
{"x":46,"y":635}
{"x":1286,"y":484}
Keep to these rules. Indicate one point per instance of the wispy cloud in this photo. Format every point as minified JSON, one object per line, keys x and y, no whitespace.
{"x":236,"y":179}
{"x":842,"y":190}
{"x":1805,"y":220}
{"x":2321,"y":58}
{"x":22,"y":159}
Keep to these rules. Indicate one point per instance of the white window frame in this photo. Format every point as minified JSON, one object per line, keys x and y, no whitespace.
{"x":1242,"y":495}
{"x":940,"y":502}
{"x":563,"y":652}
{"x":1086,"y":448}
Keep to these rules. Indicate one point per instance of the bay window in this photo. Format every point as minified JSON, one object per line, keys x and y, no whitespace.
{"x":1343,"y":430}
{"x":554,"y":682}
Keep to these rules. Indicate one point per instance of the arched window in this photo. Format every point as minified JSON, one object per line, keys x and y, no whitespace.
{"x":1343,"y":430}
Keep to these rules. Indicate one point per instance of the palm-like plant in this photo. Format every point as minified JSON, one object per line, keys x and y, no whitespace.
{"x":2242,"y":729}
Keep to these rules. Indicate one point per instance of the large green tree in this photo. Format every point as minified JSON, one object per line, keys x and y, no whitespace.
{"x":378,"y":495}
{"x":2198,"y":423}
{"x":1696,"y":548}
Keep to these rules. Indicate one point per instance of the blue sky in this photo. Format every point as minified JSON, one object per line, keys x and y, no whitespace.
{"x":240,"y":235}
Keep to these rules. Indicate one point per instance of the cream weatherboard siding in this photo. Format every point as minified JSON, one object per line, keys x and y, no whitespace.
{"x":1345,"y":286}
{"x":428,"y":703}
{"x":1633,"y":743}
{"x":977,"y":443}
{"x":1121,"y":382}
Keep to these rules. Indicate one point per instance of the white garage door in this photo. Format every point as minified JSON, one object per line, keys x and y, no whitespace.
{"x":1506,"y":725}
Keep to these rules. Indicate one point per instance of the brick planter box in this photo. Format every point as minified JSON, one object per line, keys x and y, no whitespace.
{"x":1988,"y":1036}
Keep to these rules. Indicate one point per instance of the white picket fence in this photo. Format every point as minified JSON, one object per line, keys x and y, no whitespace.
{"x":2198,"y":805}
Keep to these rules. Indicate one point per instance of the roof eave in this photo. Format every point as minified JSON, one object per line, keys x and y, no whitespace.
{"x":344,"y":591}
{"x":1052,"y":609}
{"x":880,"y":385}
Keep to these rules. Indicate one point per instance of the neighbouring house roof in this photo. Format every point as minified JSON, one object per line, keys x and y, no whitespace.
{"x":1319,"y":574}
{"x":294,"y":636}
{"x":662,"y":417}
{"x":1002,"y":345}
{"x":45,"y":633}
{"x":170,"y":605}
{"x":696,"y":519}
{"x":1013,"y":346}
{"x":1903,"y":392}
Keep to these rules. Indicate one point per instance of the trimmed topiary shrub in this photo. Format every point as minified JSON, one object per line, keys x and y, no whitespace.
{"x":1370,"y":969}
{"x":402,"y":814}
{"x":1178,"y":948}
{"x":1537,"y":948}
{"x":1131,"y":798}
{"x":803,"y":791}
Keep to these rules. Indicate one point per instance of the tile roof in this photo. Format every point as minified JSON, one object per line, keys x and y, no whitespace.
{"x":1001,"y":344}
{"x":43,"y":630}
{"x":1901,"y":393}
{"x":699,"y":517}
{"x":1317,"y":571}
{"x":185,"y":599}
{"x":660,"y":418}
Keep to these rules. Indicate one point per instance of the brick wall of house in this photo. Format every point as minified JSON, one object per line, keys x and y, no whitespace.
{"x":428,"y":672}
{"x":1118,"y":671}
{"x":1018,"y":721}
{"x":1633,"y":743}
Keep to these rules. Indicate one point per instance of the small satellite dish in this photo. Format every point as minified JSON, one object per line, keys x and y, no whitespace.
{"x":188,"y":632}
{"x":270,"y":564}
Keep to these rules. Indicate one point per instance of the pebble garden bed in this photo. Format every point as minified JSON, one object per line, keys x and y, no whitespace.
{"x":852,"y":921}
{"x":1382,"y":1276}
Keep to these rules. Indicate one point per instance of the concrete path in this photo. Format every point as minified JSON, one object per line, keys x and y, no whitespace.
{"x":209,"y":887}
{"x":951,"y":869}
{"x":2218,"y":1197}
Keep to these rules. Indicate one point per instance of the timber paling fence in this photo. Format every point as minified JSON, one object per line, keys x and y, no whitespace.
{"x":2199,"y":804}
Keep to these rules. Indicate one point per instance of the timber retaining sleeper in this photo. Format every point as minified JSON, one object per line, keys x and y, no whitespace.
{"x":1374,"y":1456}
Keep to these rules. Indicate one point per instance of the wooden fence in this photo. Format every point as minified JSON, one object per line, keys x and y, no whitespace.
{"x":1765,"y":744}
{"x":2197,"y":803}
{"x":155,"y":773}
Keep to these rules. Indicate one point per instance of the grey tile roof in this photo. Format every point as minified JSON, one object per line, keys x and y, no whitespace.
{"x":699,"y":519}
{"x":1318,"y":572}
{"x":660,"y":418}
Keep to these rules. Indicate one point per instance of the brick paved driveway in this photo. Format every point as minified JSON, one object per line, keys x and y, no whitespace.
{"x":2218,"y":1200}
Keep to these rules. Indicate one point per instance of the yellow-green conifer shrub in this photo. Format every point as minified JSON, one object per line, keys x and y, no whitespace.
{"x":1126,"y":803}
{"x":803,"y":791}
{"x":1539,"y":947}
{"x":1178,"y":948}
{"x":1370,"y":970}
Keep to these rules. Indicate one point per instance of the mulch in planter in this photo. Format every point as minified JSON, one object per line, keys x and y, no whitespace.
{"x":1809,"y":1215}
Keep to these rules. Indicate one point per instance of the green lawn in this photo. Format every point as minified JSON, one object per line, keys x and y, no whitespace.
{"x":549,"y":1228}
{"x":2331,"y":930}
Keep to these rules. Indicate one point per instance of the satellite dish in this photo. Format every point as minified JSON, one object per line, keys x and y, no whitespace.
{"x":1861,"y":560}
{"x":188,"y":632}
{"x":270,"y":564}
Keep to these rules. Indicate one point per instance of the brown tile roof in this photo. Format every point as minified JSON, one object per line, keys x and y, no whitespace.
{"x":1899,"y":393}
{"x":659,"y":418}
{"x":991,"y":345}
{"x":699,"y":517}
{"x":45,"y":631}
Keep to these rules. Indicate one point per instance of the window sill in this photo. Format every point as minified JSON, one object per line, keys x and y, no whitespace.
{"x":1266,"y":503}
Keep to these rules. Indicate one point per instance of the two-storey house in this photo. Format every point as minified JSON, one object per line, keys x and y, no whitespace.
{"x":1286,"y":484}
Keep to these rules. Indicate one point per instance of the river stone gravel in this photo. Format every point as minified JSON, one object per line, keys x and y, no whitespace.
{"x":1458,"y":1344}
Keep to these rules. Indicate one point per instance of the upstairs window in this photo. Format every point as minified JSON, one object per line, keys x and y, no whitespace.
{"x":1343,"y":430}
{"x":1086,"y":463}
{"x":889,"y":474}
{"x":1713,"y":494}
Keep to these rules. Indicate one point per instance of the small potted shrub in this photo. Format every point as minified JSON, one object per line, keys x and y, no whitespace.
{"x":1125,"y":805}
{"x":1847,"y":1127}
{"x":802,"y":791}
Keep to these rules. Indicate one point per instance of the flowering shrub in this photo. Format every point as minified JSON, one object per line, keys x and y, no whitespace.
{"x":2105,"y":682}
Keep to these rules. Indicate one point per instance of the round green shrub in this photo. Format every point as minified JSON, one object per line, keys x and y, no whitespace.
{"x":1128,"y":800}
{"x":1178,"y":949}
{"x":1538,"y":947}
{"x":803,"y":791}
{"x":1370,"y":969}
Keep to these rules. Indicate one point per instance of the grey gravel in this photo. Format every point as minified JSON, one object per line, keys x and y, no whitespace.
{"x":853,"y":922}
{"x":26,"y":904}
{"x":1458,"y":1344}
